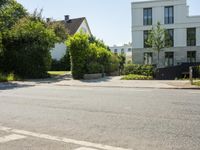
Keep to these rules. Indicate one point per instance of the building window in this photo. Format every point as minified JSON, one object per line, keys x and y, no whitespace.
{"x":122,"y":51}
{"x":115,"y":51}
{"x":191,"y":56}
{"x":169,"y":59}
{"x":169,"y":40}
{"x":147,"y":16}
{"x":148,"y":58}
{"x":191,"y":37}
{"x":129,"y":50}
{"x":146,"y":36}
{"x":169,"y":14}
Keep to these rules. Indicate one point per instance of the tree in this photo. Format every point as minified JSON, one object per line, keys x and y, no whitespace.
{"x":157,"y":39}
{"x":27,"y":48}
{"x":10,"y":13}
{"x":122,"y":61}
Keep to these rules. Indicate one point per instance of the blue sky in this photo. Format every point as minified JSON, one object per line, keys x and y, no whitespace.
{"x":109,"y":20}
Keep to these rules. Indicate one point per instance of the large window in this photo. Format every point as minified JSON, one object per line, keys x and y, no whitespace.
{"x":122,"y":51}
{"x":191,"y":56}
{"x":147,"y":16}
{"x":146,"y":36}
{"x":148,"y":58}
{"x":169,"y":38}
{"x":169,"y":15}
{"x":191,"y":37}
{"x":169,"y":59}
{"x":116,"y":51}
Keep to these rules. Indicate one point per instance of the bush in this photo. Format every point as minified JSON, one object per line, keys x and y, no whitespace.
{"x":136,"y":77}
{"x":8,"y":77}
{"x":90,"y":56}
{"x":61,"y":65}
{"x":94,"y":68}
{"x":78,"y":46}
{"x":27,"y":49}
{"x":146,"y":70}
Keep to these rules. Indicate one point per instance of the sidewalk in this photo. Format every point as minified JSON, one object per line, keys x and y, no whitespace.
{"x":116,"y":82}
{"x":113,"y":82}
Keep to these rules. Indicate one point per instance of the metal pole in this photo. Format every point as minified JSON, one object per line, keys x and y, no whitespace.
{"x":191,"y":75}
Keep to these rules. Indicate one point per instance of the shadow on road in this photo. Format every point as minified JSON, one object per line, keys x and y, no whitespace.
{"x":105,"y":79}
{"x":10,"y":86}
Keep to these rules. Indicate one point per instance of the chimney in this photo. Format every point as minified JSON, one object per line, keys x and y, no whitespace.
{"x":66,"y":18}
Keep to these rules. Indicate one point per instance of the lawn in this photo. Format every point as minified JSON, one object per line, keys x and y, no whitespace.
{"x":8,"y":77}
{"x":196,"y":83}
{"x":136,"y":77}
{"x":58,"y":73}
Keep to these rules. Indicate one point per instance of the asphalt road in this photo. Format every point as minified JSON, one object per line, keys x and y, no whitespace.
{"x":83,"y":118}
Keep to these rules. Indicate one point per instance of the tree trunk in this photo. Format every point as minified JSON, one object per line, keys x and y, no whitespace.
{"x":158,"y":63}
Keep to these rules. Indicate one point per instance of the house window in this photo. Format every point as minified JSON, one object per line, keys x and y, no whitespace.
{"x":169,"y":14}
{"x":122,"y":51}
{"x":147,"y":16}
{"x":115,"y":51}
{"x":148,"y":58}
{"x":191,"y":37}
{"x":169,"y":40}
{"x":191,"y":56}
{"x":146,"y":36}
{"x":129,"y":50}
{"x":169,"y":59}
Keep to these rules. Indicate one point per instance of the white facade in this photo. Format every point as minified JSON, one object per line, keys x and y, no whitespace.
{"x":126,"y":49}
{"x":181,"y":22}
{"x":60,"y":48}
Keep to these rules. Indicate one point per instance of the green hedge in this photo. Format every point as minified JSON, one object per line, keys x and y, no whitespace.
{"x":27,"y":49}
{"x":61,"y":65}
{"x":146,"y":70}
{"x":136,"y":77}
{"x":90,"y":56}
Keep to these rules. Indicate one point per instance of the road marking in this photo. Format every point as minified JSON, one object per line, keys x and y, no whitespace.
{"x":11,"y":137}
{"x":61,"y":139}
{"x":85,"y":148}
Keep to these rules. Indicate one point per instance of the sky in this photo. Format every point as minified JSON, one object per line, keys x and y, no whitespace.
{"x":109,"y":20}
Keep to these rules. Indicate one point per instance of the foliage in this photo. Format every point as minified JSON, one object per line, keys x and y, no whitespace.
{"x":94,"y":68}
{"x":27,"y":48}
{"x":59,"y":29}
{"x":78,"y":46}
{"x":146,"y":70}
{"x":136,"y":77}
{"x":61,"y":65}
{"x":8,"y":77}
{"x":10,"y":13}
{"x":90,"y":56}
{"x":122,"y":61}
{"x":197,"y":83}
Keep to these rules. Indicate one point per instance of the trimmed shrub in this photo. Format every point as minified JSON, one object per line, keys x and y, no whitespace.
{"x":146,"y":70}
{"x":78,"y":46}
{"x":90,"y":56}
{"x":136,"y":77}
{"x":94,"y":68}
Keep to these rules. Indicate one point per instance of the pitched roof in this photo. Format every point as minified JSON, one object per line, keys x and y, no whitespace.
{"x":72,"y":25}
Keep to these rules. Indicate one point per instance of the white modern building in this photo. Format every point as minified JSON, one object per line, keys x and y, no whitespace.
{"x":73,"y":26}
{"x":184,"y":31}
{"x":125,"y":49}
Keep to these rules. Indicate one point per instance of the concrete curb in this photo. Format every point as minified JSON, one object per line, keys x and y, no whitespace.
{"x":129,"y":87}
